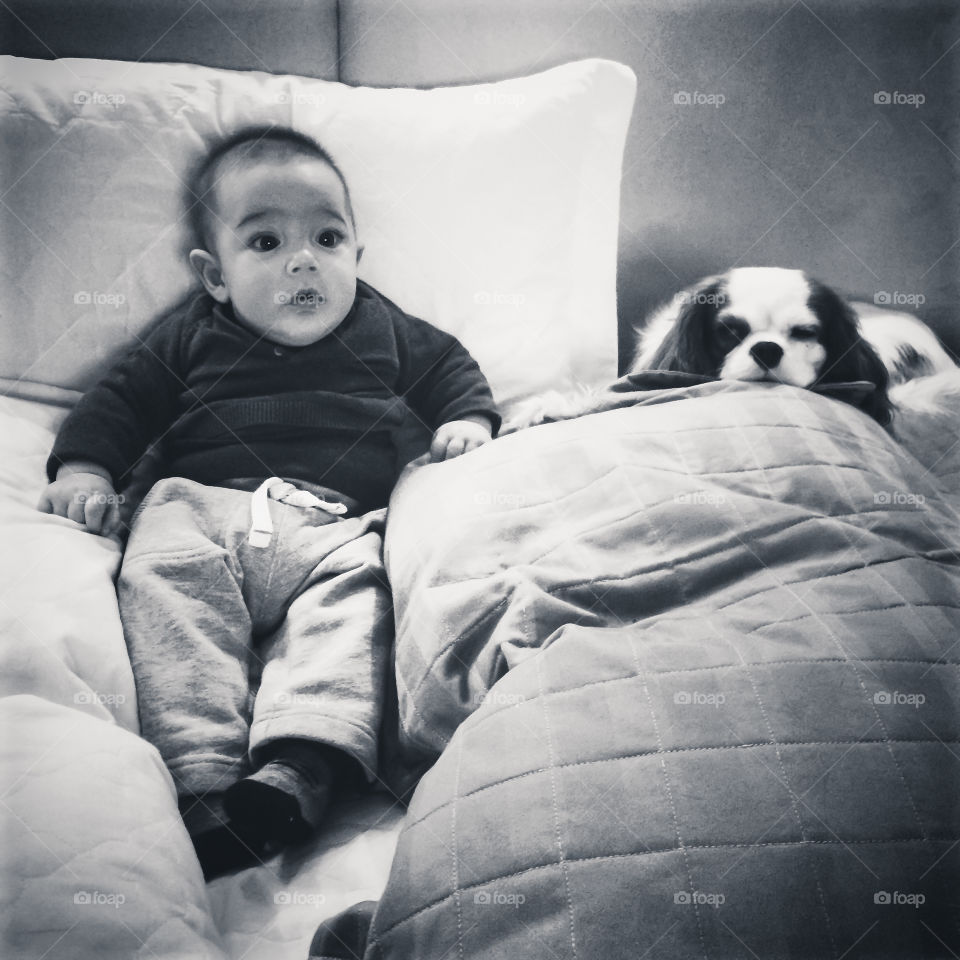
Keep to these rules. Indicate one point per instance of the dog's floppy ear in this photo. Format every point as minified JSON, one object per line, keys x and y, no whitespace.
{"x":687,"y":346}
{"x":849,"y":356}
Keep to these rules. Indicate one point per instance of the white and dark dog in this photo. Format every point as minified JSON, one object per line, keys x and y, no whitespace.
{"x":765,"y":324}
{"x":776,"y":325}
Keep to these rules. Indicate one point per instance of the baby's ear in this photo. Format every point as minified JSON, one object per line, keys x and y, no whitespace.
{"x":208,"y":269}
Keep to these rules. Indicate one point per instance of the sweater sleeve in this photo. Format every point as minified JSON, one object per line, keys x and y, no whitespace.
{"x":117,"y":419}
{"x":438,"y":377}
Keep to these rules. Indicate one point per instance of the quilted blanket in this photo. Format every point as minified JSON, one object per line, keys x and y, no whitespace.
{"x":690,"y":670}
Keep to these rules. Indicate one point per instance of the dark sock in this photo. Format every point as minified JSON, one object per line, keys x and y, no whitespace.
{"x":227,"y":849}
{"x":285,"y":800}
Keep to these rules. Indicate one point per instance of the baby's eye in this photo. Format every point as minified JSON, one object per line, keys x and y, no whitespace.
{"x":804,"y":333}
{"x":264,"y":242}
{"x":329,"y":238}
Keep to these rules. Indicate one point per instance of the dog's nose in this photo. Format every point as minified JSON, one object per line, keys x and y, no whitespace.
{"x":767,"y":354}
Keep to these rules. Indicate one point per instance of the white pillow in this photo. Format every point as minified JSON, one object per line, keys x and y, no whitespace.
{"x":489,"y":210}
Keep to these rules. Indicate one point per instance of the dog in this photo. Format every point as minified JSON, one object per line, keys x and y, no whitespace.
{"x":765,"y":324}
{"x":771,"y":324}
{"x":908,"y":348}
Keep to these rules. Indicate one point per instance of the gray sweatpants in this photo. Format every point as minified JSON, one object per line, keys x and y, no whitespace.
{"x":208,"y":616}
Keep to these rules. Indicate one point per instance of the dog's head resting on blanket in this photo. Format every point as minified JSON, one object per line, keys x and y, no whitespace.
{"x":765,"y":324}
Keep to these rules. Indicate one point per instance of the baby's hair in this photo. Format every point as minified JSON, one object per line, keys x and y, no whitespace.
{"x":251,"y":144}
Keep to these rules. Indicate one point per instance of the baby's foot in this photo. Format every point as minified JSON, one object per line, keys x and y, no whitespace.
{"x":228,"y":848}
{"x":286,"y":799}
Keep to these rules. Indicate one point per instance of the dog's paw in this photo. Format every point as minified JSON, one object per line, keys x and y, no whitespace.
{"x":528,"y":413}
{"x":547,"y":407}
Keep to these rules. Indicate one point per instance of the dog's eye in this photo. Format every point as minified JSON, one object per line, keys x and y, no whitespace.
{"x":804,"y":333}
{"x":732,"y":329}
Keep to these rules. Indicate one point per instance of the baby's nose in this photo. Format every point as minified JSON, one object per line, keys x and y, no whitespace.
{"x":302,"y":261}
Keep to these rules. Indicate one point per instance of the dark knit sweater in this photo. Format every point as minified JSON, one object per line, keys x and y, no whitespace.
{"x":226,"y":403}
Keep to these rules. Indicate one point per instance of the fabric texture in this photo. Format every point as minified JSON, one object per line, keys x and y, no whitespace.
{"x":690,"y":670}
{"x":467,"y":224}
{"x":308,"y":617}
{"x":229,"y":403}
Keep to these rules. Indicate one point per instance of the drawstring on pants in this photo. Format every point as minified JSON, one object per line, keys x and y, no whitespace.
{"x":274,"y":488}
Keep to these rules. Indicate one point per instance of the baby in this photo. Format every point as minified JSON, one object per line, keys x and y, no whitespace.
{"x":252,"y":592}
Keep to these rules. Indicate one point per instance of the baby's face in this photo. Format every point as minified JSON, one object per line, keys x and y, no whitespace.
{"x":286,"y":248}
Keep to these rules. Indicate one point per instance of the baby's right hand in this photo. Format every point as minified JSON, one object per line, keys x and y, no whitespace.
{"x":83,"y":497}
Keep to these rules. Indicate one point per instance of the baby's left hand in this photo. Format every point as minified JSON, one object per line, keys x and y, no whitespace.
{"x":458,"y":437}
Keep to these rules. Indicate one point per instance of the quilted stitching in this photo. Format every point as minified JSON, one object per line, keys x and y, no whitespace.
{"x":796,"y":614}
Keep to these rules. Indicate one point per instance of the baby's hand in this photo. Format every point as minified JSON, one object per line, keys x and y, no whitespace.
{"x":86,"y":498}
{"x":458,"y":437}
